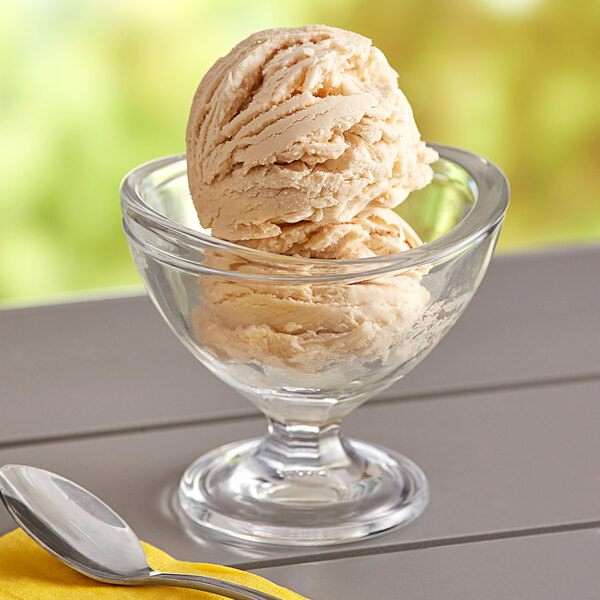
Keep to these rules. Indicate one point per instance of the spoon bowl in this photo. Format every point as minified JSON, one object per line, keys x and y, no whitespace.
{"x":84,"y":531}
{"x":87,"y":535}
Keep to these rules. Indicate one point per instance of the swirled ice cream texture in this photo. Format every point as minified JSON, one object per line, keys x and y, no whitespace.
{"x":373,"y":232}
{"x":305,"y":326}
{"x":300,"y":143}
{"x":300,"y":124}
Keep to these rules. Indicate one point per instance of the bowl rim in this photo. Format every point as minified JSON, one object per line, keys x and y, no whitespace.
{"x":491,"y":192}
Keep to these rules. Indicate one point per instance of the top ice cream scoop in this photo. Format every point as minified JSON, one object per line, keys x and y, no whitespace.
{"x":300,"y":124}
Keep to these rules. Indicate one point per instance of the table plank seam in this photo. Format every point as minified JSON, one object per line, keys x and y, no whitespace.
{"x":490,"y":388}
{"x":416,"y":545}
{"x":253,"y":414}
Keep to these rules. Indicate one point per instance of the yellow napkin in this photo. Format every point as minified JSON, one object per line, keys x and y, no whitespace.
{"x":27,"y":572}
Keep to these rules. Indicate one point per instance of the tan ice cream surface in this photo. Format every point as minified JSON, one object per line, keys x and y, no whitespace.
{"x":304,"y":325}
{"x":373,"y":232}
{"x":300,"y":124}
{"x":307,"y":326}
{"x":300,"y":143}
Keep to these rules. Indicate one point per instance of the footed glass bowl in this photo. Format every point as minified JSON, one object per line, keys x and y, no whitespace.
{"x":308,"y":341}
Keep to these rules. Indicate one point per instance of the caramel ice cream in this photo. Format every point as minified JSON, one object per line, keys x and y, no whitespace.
{"x":300,"y":124}
{"x":308,"y":325}
{"x":300,"y":143}
{"x":373,"y":232}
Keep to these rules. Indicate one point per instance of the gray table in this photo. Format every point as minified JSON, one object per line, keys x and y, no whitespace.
{"x":504,"y":417}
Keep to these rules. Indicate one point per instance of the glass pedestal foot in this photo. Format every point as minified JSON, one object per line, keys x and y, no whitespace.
{"x":346,"y":491}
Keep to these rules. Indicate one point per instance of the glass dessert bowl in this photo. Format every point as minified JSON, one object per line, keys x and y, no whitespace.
{"x":308,"y":341}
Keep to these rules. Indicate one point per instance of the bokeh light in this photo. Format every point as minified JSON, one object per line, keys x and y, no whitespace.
{"x":91,"y":89}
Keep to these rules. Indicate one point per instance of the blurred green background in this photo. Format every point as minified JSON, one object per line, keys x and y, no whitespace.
{"x":88,"y":90}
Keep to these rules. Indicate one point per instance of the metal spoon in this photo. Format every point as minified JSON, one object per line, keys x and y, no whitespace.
{"x":88,"y":536}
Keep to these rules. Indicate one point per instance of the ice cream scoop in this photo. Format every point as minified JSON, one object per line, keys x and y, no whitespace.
{"x":300,"y":143}
{"x":373,"y":232}
{"x":300,"y":124}
{"x":306,"y":326}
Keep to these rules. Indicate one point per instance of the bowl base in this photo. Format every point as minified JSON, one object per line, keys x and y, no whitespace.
{"x":233,"y":490}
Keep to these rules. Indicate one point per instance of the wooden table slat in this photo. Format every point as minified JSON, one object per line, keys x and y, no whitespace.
{"x":496,"y":462}
{"x":560,"y":566}
{"x":110,"y":364}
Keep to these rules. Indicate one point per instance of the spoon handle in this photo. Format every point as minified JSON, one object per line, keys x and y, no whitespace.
{"x":207,"y":584}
